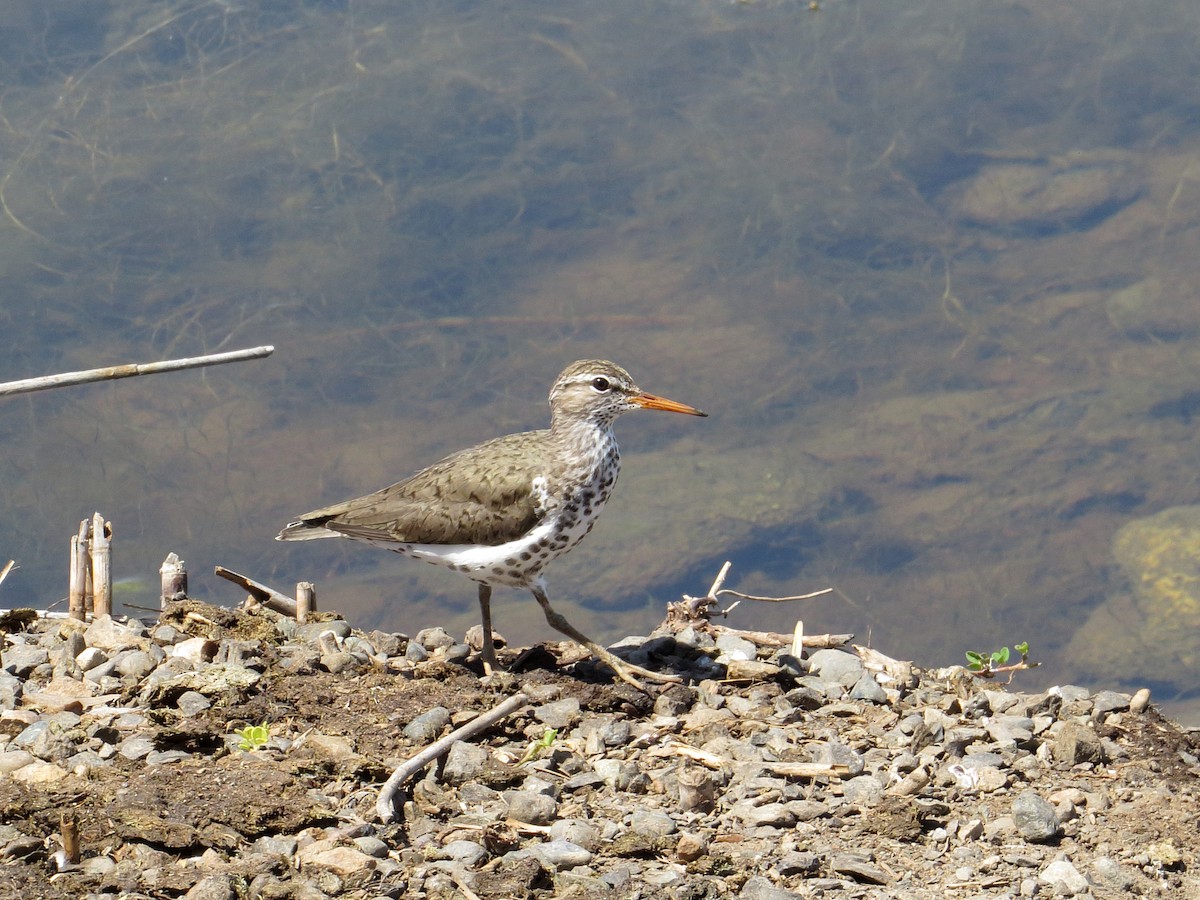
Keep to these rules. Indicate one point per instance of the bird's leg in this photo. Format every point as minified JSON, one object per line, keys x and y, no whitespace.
{"x":488,"y":653}
{"x":625,"y":670}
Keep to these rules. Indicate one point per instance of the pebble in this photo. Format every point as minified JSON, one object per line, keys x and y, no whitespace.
{"x":532,"y":807}
{"x":1062,"y":877}
{"x":468,"y":853}
{"x":1034,"y":817}
{"x":652,"y":822}
{"x":21,"y":659}
{"x":561,"y":854}
{"x":836,"y":666}
{"x":427,"y":726}
{"x":559,"y":714}
{"x":465,"y":762}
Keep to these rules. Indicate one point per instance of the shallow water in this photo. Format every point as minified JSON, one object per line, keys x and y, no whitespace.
{"x":929,"y":269}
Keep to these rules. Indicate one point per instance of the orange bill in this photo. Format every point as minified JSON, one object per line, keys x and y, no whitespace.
{"x":650,"y":401}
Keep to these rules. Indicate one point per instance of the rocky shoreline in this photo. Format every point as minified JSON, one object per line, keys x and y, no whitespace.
{"x":815,"y":778}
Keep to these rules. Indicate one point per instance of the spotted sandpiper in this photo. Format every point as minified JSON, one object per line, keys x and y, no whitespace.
{"x":499,"y":512}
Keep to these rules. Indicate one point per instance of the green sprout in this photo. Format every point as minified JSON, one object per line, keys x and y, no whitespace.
{"x":989,"y":665}
{"x":254,"y":737}
{"x":545,"y":742}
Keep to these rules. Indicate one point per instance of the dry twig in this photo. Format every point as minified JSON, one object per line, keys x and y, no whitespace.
{"x":698,"y":612}
{"x":385,"y":806}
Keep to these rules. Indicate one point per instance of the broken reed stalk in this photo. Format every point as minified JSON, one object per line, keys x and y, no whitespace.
{"x":70,"y":837}
{"x":260,"y":593}
{"x":306,"y":601}
{"x":109,"y":373}
{"x":12,"y":564}
{"x":173,"y":579}
{"x":101,"y":554}
{"x":77,"y":592}
{"x":90,"y":585}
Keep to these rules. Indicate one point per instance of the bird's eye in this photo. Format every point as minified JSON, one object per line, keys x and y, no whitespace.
{"x":601,"y":385}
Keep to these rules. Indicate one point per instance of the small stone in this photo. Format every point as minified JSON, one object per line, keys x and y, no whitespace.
{"x":621,"y":775}
{"x":837,"y":753}
{"x":759,"y":888}
{"x":428,"y":725}
{"x":560,"y":714}
{"x":863,"y":790}
{"x":21,"y":659}
{"x":1106,"y":702}
{"x":837,"y":666}
{"x":1035,"y":818}
{"x":465,"y":762}
{"x":691,"y":847}
{"x":798,"y":862}
{"x":774,"y":815}
{"x":38,"y":772}
{"x":108,"y":634}
{"x":276,"y":845}
{"x":434,"y":639}
{"x":134,"y":664}
{"x":1111,"y":874}
{"x":339,"y":661}
{"x":372,"y":846}
{"x":330,"y":746}
{"x":414,"y":652}
{"x":733,"y":646}
{"x":558,"y":855}
{"x":652,"y":822}
{"x":11,"y":760}
{"x":859,"y":867}
{"x":868,"y":689}
{"x":1075,"y":744}
{"x":342,"y":860}
{"x":192,"y":703}
{"x":577,"y":831}
{"x":467,"y":853}
{"x":1064,"y":878}
{"x":212,"y":887}
{"x":530,"y":806}
{"x":1140,"y":701}
{"x":135,"y":746}
{"x":161,"y":757}
{"x":311,"y":633}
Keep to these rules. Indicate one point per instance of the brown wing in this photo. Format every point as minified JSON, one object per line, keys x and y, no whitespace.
{"x":483,"y":495}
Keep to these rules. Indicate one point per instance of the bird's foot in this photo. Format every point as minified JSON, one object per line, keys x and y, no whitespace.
{"x":628,"y":672}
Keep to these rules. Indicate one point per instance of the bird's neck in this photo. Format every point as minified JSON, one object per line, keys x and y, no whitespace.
{"x":586,"y":440}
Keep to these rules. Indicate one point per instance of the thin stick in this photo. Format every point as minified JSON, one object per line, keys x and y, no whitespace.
{"x":269,"y":598}
{"x":773,"y":599}
{"x":12,"y":564}
{"x":109,"y":373}
{"x":385,"y":805}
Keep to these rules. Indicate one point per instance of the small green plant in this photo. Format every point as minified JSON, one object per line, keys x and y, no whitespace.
{"x":254,"y":737}
{"x":989,"y":665}
{"x":545,"y":742}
